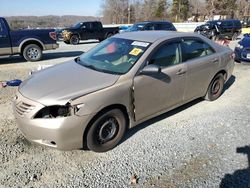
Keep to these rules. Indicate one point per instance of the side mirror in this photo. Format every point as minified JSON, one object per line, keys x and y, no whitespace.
{"x":151,"y":69}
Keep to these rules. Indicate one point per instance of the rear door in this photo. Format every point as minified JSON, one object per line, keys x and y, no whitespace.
{"x":201,"y":60}
{"x":161,"y":91}
{"x":5,"y":45}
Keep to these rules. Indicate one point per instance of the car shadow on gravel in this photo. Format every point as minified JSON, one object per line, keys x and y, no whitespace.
{"x":229,"y":83}
{"x":240,"y":178}
{"x":46,"y":56}
{"x":143,"y":125}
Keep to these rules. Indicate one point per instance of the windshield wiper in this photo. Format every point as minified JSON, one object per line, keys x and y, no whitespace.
{"x":91,"y":67}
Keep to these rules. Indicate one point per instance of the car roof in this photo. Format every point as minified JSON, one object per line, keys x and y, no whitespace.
{"x":161,"y":21}
{"x":152,"y":36}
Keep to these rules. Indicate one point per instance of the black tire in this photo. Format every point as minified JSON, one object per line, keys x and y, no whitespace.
{"x":106,"y":131}
{"x":66,"y":42}
{"x":235,"y":36}
{"x":109,"y":35}
{"x":215,"y":88}
{"x":32,"y":52}
{"x":100,"y":39}
{"x":74,"y":39}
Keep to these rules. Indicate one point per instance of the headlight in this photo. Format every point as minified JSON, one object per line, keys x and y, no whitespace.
{"x":55,"y":111}
{"x":239,"y":46}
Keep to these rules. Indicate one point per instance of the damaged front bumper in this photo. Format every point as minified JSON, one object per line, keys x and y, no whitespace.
{"x":64,"y":133}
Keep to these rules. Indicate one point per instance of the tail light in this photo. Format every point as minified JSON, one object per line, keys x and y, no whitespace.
{"x":232,"y":55}
{"x":52,"y":35}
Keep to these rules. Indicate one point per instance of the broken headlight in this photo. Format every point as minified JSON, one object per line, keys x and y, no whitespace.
{"x":55,"y":111}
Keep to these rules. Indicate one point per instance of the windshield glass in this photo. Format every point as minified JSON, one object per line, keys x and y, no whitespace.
{"x":137,"y":27}
{"x":114,"y":55}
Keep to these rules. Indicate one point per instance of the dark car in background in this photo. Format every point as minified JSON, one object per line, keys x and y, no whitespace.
{"x":86,"y":31}
{"x":217,"y":29}
{"x":242,"y":50}
{"x":152,"y":25}
{"x":246,"y":21}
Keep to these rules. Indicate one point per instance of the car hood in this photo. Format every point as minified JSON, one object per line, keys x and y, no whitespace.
{"x":63,"y":82}
{"x":245,"y":42}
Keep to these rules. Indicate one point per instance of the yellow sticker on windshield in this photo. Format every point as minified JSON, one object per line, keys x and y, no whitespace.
{"x":135,"y":51}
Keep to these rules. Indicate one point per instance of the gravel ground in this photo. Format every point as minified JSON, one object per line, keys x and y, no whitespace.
{"x":201,"y":144}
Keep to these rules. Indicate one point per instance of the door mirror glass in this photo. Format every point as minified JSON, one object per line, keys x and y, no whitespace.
{"x":151,"y":69}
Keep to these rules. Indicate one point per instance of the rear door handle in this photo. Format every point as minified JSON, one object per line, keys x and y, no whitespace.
{"x":3,"y":36}
{"x":181,"y":72}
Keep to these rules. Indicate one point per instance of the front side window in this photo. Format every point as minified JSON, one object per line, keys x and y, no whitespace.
{"x":149,"y":27}
{"x":193,"y":48}
{"x":114,"y":55}
{"x":166,"y":55}
{"x":1,"y":29}
{"x":85,"y":25}
{"x":137,"y":27}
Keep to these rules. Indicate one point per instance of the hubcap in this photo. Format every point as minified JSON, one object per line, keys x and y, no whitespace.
{"x":74,"y":40}
{"x":33,"y":53}
{"x":108,"y":130}
{"x":216,"y":87}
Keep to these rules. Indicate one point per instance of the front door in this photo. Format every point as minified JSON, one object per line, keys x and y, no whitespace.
{"x":161,"y":91}
{"x":5,"y":46}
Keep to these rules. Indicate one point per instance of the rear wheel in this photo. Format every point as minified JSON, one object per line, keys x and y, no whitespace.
{"x":74,"y":39}
{"x":100,"y":39}
{"x":106,"y":131}
{"x":109,"y":35}
{"x":234,"y":37}
{"x":32,"y":52}
{"x":215,"y":88}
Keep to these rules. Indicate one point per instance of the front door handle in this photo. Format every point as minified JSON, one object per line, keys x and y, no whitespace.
{"x":181,"y":72}
{"x":3,"y":36}
{"x":215,"y":60}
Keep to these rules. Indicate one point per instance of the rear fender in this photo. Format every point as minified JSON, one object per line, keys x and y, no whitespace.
{"x":28,"y":40}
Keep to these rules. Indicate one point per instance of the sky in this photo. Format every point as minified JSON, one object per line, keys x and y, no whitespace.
{"x":50,"y":7}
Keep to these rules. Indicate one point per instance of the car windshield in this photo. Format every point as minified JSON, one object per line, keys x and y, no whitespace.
{"x":137,"y":27}
{"x":114,"y":55}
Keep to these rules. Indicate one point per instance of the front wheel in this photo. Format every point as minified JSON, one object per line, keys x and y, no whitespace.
{"x":106,"y":131}
{"x":235,"y":36}
{"x":215,"y":88}
{"x":74,"y":39}
{"x":32,"y":52}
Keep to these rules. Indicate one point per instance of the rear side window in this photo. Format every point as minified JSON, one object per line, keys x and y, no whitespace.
{"x":1,"y":29}
{"x":97,"y":25}
{"x":237,"y":24}
{"x":166,"y":55}
{"x":150,"y":27}
{"x":165,"y":26}
{"x":227,"y":24}
{"x":194,"y":48}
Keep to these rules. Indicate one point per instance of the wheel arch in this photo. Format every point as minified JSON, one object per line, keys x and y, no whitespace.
{"x":77,"y":34}
{"x":103,"y":110}
{"x":223,"y":72}
{"x":30,"y":41}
